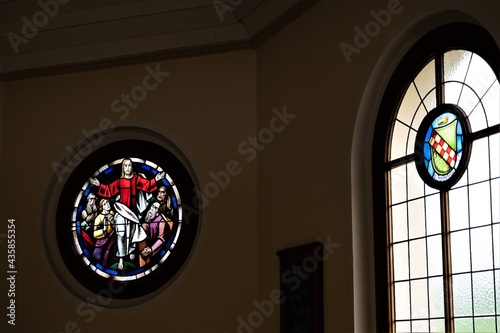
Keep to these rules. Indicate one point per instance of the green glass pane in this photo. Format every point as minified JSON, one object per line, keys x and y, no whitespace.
{"x":419,"y":304}
{"x":434,"y":247}
{"x":462,"y":298}
{"x":416,"y":214}
{"x":418,"y":261}
{"x":480,"y":204}
{"x":483,"y":291}
{"x":399,"y":223}
{"x":464,"y":325}
{"x":433,"y":214}
{"x":402,"y":300}
{"x":481,"y":248}
{"x":460,"y":254}
{"x":456,"y":63}
{"x":484,"y":324}
{"x":436,"y":297}
{"x":438,"y":325}
{"x":415,"y":183}
{"x":459,"y":209}
{"x":400,"y":255}
{"x":398,"y":184}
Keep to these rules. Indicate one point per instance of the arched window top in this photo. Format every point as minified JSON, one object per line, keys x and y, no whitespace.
{"x":436,"y":186}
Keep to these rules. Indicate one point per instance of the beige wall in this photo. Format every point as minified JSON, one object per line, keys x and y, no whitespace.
{"x":208,"y":105}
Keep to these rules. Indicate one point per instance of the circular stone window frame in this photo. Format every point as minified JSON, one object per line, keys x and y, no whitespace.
{"x":91,"y":288}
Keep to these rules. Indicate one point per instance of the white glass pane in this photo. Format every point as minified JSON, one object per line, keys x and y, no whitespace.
{"x":403,"y":327}
{"x":418,"y":261}
{"x":426,"y":79}
{"x":480,"y":205}
{"x":402,"y":299}
{"x":399,"y":139}
{"x":400,"y":255}
{"x":416,"y":215}
{"x":484,"y":298}
{"x":481,"y":248}
{"x":462,"y":297}
{"x":438,"y":326}
{"x":419,"y":304}
{"x":415,"y":183}
{"x":399,"y":223}
{"x":491,"y":103}
{"x":460,"y":254}
{"x":435,"y":250}
{"x":398,"y":184}
{"x":420,"y":326}
{"x":409,"y":105}
{"x":419,"y":116}
{"x":479,"y":166}
{"x":496,"y":246}
{"x":497,"y":288}
{"x":495,"y":199}
{"x":469,"y":101}
{"x":495,"y":155}
{"x":410,"y":145}
{"x":462,"y":181}
{"x":452,"y":92}
{"x":459,"y":209}
{"x":436,"y":297}
{"x":430,"y":101}
{"x":456,"y":63}
{"x":480,"y":75}
{"x":477,"y":119}
{"x":433,"y":214}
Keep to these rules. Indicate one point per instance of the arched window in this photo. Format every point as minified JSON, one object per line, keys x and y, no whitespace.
{"x":437,"y":187}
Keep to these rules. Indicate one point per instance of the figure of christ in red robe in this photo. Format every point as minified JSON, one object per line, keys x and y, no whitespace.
{"x":127,"y":188}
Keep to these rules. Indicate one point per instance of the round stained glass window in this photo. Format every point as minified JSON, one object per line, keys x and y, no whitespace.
{"x":442,"y":146}
{"x":126,"y":219}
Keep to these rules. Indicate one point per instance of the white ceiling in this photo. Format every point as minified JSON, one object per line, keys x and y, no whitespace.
{"x":76,"y":35}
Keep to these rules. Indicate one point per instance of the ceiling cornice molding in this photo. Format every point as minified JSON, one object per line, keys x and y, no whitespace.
{"x":231,"y":35}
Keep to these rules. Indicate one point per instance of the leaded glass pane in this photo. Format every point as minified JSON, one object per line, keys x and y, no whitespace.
{"x":416,"y":216}
{"x":426,"y":79}
{"x":479,"y":166}
{"x":437,"y":325}
{"x":402,"y":300}
{"x":399,"y":223}
{"x":460,"y":253}
{"x":456,"y":63}
{"x":495,"y":156}
{"x":398,"y":184}
{"x":491,"y":103}
{"x":464,"y":325}
{"x":482,"y":290}
{"x":403,"y":327}
{"x":409,"y":105}
{"x":419,"y":303}
{"x":459,"y":208}
{"x":469,"y":102}
{"x":452,"y":92}
{"x":462,"y":296}
{"x":418,"y":259}
{"x":484,"y":324}
{"x":480,"y":204}
{"x":435,"y":255}
{"x":415,"y":183}
{"x":399,"y":138}
{"x":480,"y":75}
{"x":400,"y":254}
{"x":436,"y":297}
{"x":433,"y":214}
{"x":481,"y":248}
